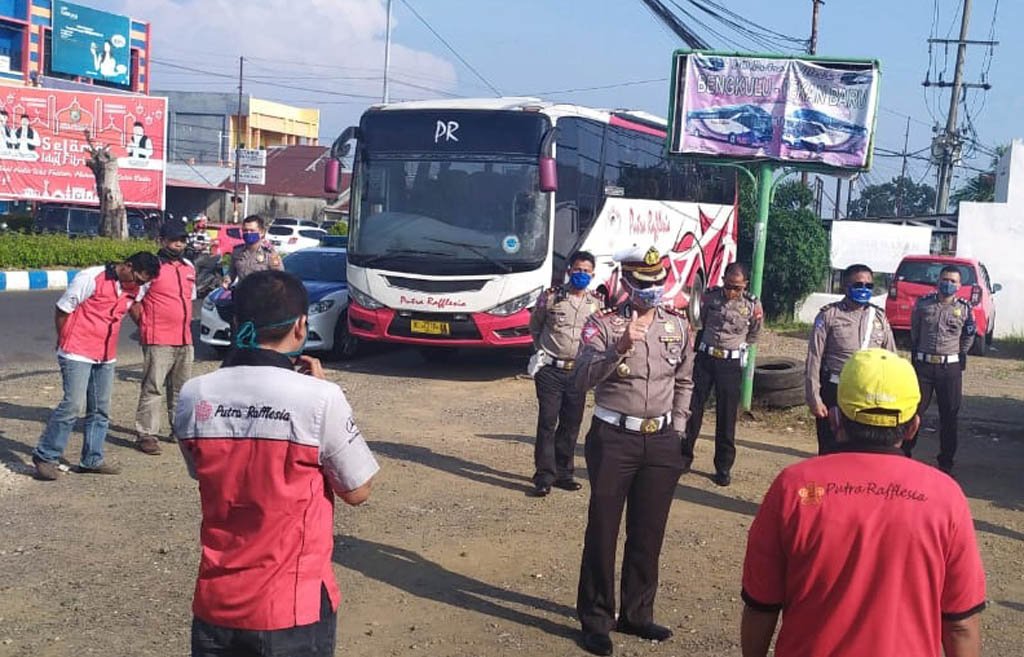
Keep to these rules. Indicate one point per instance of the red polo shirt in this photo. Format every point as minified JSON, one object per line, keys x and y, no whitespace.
{"x":865,"y":553}
{"x":167,"y":305}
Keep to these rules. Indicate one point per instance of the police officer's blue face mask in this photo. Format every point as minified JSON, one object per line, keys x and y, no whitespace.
{"x":250,"y":237}
{"x":948,"y":288}
{"x":860,"y":293}
{"x":580,"y":280}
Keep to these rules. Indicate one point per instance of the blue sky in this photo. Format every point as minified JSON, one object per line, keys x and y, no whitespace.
{"x":327,"y":49}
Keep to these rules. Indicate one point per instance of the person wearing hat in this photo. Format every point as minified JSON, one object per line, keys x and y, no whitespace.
{"x":165,"y":333}
{"x":732,"y":319}
{"x":840,"y":329}
{"x":864,"y":551}
{"x":638,"y":358}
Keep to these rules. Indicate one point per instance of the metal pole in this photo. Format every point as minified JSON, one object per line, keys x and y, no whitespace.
{"x":238,"y":139}
{"x":386,"y":97}
{"x":839,"y":195}
{"x":903,"y":172}
{"x":951,"y":140}
{"x":764,"y":197}
{"x":812,"y":49}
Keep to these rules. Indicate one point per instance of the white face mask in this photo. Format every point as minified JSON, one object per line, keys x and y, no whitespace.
{"x":647,"y":297}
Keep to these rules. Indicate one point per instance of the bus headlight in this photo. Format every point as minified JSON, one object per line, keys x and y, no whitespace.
{"x":364,"y":299}
{"x":513,"y":306}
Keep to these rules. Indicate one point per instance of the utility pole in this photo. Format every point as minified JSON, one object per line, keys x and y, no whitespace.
{"x":947,"y":143}
{"x":385,"y":96}
{"x":903,"y":172}
{"x":812,"y":49}
{"x":238,"y":139}
{"x":839,"y":195}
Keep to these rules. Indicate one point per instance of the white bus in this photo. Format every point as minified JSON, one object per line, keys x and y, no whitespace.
{"x":463,"y":211}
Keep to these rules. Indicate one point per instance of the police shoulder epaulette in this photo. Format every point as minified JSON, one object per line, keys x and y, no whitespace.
{"x":679,"y":312}
{"x":834,"y":304}
{"x":964,"y":302}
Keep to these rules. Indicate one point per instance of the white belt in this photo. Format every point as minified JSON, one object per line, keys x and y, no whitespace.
{"x":560,"y":363}
{"x":630,"y":423}
{"x":937,"y":359}
{"x":715,"y":352}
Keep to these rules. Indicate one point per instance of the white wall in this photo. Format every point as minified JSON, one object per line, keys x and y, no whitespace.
{"x":877,"y":245}
{"x":994,"y":234}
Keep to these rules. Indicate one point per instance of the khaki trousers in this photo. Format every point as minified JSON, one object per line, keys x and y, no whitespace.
{"x":164,"y":371}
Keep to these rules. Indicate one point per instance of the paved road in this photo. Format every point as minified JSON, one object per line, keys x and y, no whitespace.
{"x":27,"y":335}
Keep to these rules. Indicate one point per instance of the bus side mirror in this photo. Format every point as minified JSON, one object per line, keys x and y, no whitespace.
{"x":332,"y":173}
{"x":996,"y":287}
{"x":548,"y":175}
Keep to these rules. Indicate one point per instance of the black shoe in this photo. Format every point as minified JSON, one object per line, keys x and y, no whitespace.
{"x":597,"y":644}
{"x":540,"y":490}
{"x":567,"y":484}
{"x":650,"y":631}
{"x":722,"y":478}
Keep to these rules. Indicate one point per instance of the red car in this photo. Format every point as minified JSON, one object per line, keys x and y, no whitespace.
{"x":227,"y":238}
{"x":918,"y":275}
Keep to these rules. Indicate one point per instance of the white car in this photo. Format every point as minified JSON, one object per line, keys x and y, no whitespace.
{"x":289,"y":239}
{"x":322,"y":271}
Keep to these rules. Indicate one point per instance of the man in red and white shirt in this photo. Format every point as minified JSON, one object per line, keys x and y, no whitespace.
{"x":164,"y":317}
{"x":271,"y":443}
{"x":88,"y":319}
{"x":864,"y":551}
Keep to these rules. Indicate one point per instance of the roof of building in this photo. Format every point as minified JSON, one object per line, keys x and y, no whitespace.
{"x":198,"y":176}
{"x":297,"y":171}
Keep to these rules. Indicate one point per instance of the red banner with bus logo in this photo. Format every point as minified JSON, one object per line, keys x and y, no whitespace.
{"x":43,"y":149}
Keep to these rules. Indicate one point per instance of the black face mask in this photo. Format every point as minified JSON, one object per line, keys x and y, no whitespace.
{"x":169,"y":254}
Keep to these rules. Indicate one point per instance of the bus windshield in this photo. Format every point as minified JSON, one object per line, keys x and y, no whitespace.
{"x":449,"y":192}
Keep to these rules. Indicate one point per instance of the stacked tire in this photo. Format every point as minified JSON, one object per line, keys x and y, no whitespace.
{"x":779,"y":382}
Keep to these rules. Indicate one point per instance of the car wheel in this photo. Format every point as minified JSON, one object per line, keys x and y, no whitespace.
{"x":346,"y":345}
{"x":774,"y":374}
{"x":693,"y":309}
{"x":787,"y":398}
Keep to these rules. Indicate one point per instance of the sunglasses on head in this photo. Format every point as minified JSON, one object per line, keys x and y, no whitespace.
{"x":862,"y":286}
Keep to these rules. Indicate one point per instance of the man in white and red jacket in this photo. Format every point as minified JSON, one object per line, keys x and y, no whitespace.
{"x":88,"y":320}
{"x":164,"y":317}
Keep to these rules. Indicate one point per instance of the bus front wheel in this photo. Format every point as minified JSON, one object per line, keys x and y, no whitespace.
{"x":693,"y":309}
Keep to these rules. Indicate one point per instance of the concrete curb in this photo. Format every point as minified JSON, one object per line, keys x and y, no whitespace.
{"x":36,"y":279}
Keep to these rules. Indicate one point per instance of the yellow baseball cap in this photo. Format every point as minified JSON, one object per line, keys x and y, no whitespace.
{"x":878,"y":388}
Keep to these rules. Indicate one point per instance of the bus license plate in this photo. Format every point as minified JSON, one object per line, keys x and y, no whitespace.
{"x":431,"y":328}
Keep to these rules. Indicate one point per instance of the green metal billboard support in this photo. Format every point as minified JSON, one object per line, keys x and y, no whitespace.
{"x":764,"y":202}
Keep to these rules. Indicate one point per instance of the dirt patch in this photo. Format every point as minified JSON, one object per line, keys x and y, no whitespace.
{"x":450,"y":556}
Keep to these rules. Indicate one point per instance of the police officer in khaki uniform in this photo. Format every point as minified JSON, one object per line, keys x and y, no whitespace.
{"x":732,"y":319}
{"x":841,"y":328}
{"x":942,"y":330}
{"x":255,"y":255}
{"x":555,"y":325}
{"x":639,"y":360}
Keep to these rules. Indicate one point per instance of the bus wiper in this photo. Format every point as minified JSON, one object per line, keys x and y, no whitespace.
{"x":394,"y":252}
{"x":477,"y":250}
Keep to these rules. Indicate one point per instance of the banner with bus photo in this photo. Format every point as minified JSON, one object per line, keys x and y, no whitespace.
{"x":43,"y":147}
{"x":816,"y":112}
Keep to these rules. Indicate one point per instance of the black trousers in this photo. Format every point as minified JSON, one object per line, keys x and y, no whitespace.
{"x":558,"y":425}
{"x":316,"y":640}
{"x":725,"y":375}
{"x":946,"y":383}
{"x":826,"y":438}
{"x":640,"y":472}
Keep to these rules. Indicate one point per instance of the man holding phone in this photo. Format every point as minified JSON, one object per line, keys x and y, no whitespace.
{"x":271,"y":443}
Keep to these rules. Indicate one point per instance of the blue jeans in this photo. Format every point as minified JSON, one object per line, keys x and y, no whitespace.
{"x":87,"y":389}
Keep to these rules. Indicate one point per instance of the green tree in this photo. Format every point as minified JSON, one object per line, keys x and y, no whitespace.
{"x":980,"y":188}
{"x":900,"y":197}
{"x":796,"y":253}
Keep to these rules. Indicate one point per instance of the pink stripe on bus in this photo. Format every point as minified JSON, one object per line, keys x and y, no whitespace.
{"x":639,"y":127}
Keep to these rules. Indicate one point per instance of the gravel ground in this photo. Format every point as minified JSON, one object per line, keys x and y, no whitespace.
{"x":450,"y":556}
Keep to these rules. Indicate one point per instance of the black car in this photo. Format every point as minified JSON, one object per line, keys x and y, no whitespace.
{"x":81,"y":220}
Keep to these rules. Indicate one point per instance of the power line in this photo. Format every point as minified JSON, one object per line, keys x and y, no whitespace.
{"x":451,"y":49}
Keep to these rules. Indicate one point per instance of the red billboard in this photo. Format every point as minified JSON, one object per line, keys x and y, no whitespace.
{"x":43,"y":149}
